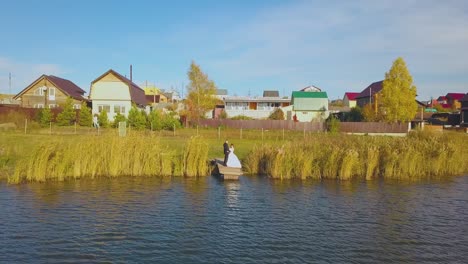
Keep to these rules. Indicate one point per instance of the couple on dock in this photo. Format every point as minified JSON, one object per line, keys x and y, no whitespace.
{"x":230,"y":159}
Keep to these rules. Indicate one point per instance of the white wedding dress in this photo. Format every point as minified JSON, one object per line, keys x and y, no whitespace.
{"x":233,"y":161}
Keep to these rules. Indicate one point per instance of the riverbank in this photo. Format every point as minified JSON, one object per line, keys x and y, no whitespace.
{"x":417,"y":156}
{"x":43,"y":157}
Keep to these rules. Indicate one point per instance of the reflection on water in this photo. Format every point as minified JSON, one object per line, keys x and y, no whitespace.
{"x":252,"y":220}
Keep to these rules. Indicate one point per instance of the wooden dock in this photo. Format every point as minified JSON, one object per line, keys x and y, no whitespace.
{"x":226,"y":173}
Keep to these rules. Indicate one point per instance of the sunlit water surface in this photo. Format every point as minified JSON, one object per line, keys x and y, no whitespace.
{"x":149,"y":220}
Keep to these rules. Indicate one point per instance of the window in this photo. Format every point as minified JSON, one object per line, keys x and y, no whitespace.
{"x":237,"y":106}
{"x":51,"y":92}
{"x":119,"y":109}
{"x":38,"y":105}
{"x":39,"y":91}
{"x":268,"y":106}
{"x":104,"y":108}
{"x":52,"y":105}
{"x":76,"y":106}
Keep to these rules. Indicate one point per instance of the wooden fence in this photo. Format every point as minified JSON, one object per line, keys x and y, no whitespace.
{"x":345,"y":127}
{"x":265,"y":124}
{"x":373,"y":127}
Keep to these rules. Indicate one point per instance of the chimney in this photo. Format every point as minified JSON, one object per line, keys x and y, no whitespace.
{"x":131,"y":73}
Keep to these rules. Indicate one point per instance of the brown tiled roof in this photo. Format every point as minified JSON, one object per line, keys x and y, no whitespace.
{"x":455,"y":96}
{"x":136,"y":93}
{"x":64,"y":85}
{"x":465,"y":98}
{"x":67,"y":87}
{"x":374,"y":88}
{"x":270,"y":94}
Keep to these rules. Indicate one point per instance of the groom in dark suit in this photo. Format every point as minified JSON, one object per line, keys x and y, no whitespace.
{"x":226,"y":152}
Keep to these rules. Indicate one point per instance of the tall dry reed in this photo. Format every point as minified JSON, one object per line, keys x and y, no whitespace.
{"x":418,"y":156}
{"x":110,"y":156}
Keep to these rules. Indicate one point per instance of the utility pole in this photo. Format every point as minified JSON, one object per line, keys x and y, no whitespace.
{"x":9,"y":82}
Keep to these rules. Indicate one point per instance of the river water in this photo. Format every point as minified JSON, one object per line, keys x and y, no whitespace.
{"x":129,"y":220}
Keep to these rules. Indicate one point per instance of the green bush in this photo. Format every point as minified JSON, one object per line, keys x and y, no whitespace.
{"x":333,"y":124}
{"x":241,"y":117}
{"x":45,"y":117}
{"x":103,"y":119}
{"x":155,"y":120}
{"x":86,"y":117}
{"x":136,"y":118}
{"x":277,"y":115}
{"x":68,"y":114}
{"x":117,"y":119}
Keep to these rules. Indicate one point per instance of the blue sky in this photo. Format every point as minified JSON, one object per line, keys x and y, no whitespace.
{"x":244,"y":46}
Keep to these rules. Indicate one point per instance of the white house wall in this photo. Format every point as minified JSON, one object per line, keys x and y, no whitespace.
{"x":111,"y":114}
{"x":110,"y":91}
{"x":255,"y":114}
{"x":310,"y":104}
{"x":310,"y":116}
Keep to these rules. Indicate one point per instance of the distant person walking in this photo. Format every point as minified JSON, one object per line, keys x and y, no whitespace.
{"x":226,"y":152}
{"x":95,"y":122}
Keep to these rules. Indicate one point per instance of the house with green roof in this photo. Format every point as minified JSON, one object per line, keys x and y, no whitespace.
{"x":308,"y":106}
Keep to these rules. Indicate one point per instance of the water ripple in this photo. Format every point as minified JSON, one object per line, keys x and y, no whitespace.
{"x":255,"y":220}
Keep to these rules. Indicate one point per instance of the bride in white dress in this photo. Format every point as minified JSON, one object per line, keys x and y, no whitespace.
{"x":233,"y":161}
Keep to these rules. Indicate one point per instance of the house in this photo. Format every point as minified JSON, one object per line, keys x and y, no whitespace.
{"x":270,"y":94}
{"x":349,"y":99}
{"x":221,"y":93}
{"x":464,"y":111}
{"x":172,"y":96}
{"x":155,"y":99}
{"x":50,"y":91}
{"x":7,"y":99}
{"x":254,"y":107}
{"x":453,"y":100}
{"x":369,"y":94}
{"x":308,"y":106}
{"x":115,"y":94}
{"x":311,"y":88}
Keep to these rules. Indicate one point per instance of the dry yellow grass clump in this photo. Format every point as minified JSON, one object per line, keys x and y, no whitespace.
{"x":110,"y":156}
{"x":418,"y":156}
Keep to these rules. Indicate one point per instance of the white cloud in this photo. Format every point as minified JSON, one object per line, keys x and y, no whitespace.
{"x":354,"y":41}
{"x":23,"y":73}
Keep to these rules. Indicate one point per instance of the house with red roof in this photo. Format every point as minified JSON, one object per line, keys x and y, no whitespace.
{"x":454,"y":100}
{"x":115,"y":94}
{"x":464,"y":111}
{"x":50,"y":91}
{"x":369,"y":94}
{"x":349,"y":99}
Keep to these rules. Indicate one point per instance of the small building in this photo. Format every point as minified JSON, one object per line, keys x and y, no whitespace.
{"x":7,"y":99}
{"x":369,"y":94}
{"x":221,"y":93}
{"x":115,"y":94}
{"x":172,"y":96}
{"x":155,"y":99}
{"x":349,"y":99}
{"x":464,"y":111}
{"x":311,"y":88}
{"x":270,"y":94}
{"x":454,"y":100}
{"x":50,"y":91}
{"x":254,"y":107}
{"x":308,"y":106}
